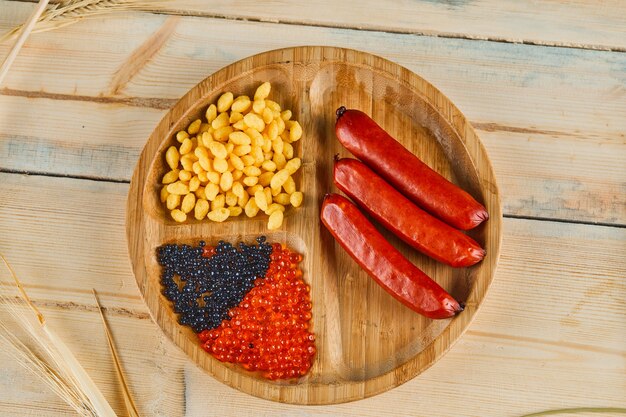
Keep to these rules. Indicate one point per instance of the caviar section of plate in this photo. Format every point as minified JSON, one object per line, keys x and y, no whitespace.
{"x":366,"y":341}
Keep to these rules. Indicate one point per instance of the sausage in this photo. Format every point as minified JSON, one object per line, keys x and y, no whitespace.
{"x":396,"y":213}
{"x":366,"y":140}
{"x":384,"y":263}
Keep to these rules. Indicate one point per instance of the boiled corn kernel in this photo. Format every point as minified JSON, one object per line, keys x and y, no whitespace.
{"x":237,"y":189}
{"x":220,"y":121}
{"x":181,"y":136}
{"x":243,"y":200}
{"x":172,"y":201}
{"x":253,"y":190}
{"x":187,"y":162}
{"x":254,"y":121}
{"x":194,"y":184}
{"x":293,"y":165}
{"x":172,"y":157}
{"x":296,"y":199}
{"x":219,"y":214}
{"x":200,"y":194}
{"x":295,"y":133}
{"x":170,"y":177}
{"x":231,"y":199}
{"x":289,"y":186}
{"x":219,"y":202}
{"x":235,"y":211}
{"x":164,"y":194}
{"x":237,"y":162}
{"x":275,"y":220}
{"x":282,"y":198}
{"x":220,"y":165}
{"x":218,"y":150}
{"x":239,"y":158}
{"x":250,"y":181}
{"x":261,"y":200}
{"x":239,"y":138}
{"x":178,"y":188}
{"x":285,"y":115}
{"x":269,"y":165}
{"x":213,"y":177}
{"x":267,"y":115}
{"x":211,"y":191}
{"x":274,"y":207}
{"x":178,"y":215}
{"x":194,"y":127}
{"x":211,"y":113}
{"x":201,"y":209}
{"x":235,"y":117}
{"x":224,"y":102}
{"x":280,"y":160}
{"x":226,"y":181}
{"x":265,"y":178}
{"x":188,"y":203}
{"x":262,"y":91}
{"x":251,"y":208}
{"x":268,"y":195}
{"x":186,"y":146}
{"x":185,"y":175}
{"x":241,"y":104}
{"x":288,"y":150}
{"x":221,"y":133}
{"x":279,"y":178}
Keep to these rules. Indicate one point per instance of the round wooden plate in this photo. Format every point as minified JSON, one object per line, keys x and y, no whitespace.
{"x":367,"y":342}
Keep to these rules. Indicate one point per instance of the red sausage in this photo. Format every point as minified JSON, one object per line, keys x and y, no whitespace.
{"x":395,"y":212}
{"x":366,"y":140}
{"x":388,"y":267}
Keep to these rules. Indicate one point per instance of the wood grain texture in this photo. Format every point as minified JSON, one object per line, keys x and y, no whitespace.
{"x":576,"y":24}
{"x":560,"y":110}
{"x":512,"y":361}
{"x":549,"y":335}
{"x":367,"y":342}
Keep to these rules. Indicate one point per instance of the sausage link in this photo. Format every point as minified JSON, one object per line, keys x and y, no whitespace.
{"x":366,"y":140}
{"x":384,"y":263}
{"x":396,"y":213}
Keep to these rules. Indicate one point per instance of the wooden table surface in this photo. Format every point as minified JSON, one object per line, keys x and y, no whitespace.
{"x":543,"y":84}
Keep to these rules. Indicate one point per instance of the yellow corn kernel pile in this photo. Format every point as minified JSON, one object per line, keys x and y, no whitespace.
{"x":240,"y":159}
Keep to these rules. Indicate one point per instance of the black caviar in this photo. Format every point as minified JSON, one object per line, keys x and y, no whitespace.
{"x":208,"y":287}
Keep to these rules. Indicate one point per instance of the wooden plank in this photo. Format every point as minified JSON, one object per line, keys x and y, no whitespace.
{"x":153,"y":365}
{"x":552,"y":119}
{"x":559,"y":177}
{"x":551,"y":333}
{"x":576,"y":24}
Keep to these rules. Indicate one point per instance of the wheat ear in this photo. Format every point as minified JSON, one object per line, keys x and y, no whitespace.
{"x":128,"y":398}
{"x":49,"y":358}
{"x":68,"y":12}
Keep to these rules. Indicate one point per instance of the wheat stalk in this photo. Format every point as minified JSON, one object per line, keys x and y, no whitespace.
{"x":577,"y":410}
{"x":67,"y":12}
{"x":128,"y":398}
{"x":49,"y":358}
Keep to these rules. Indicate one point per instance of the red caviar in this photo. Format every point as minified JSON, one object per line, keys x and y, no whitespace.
{"x":269,"y":330}
{"x":208,"y":251}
